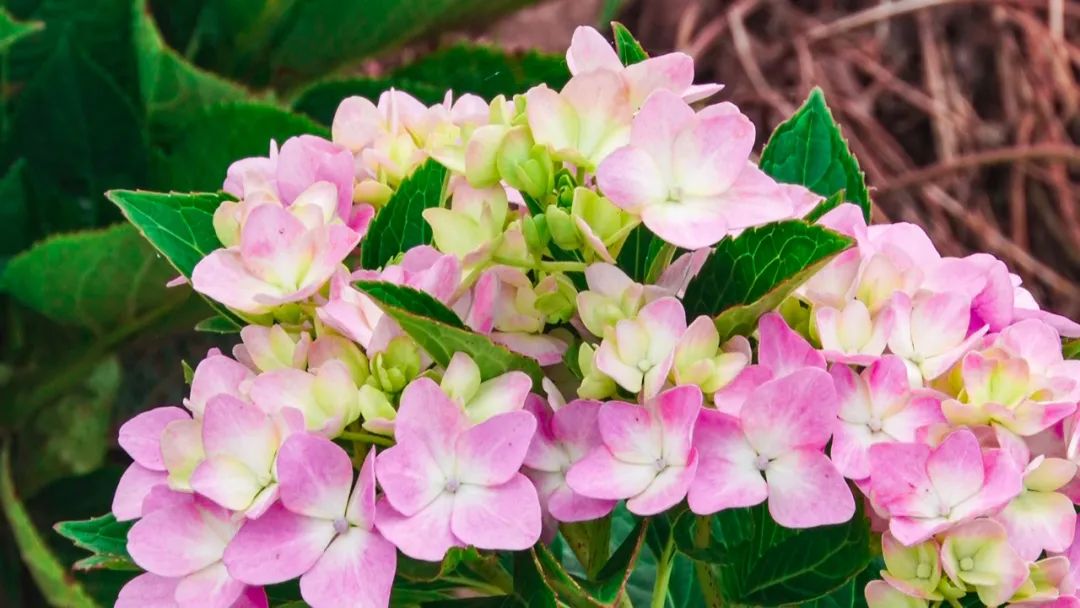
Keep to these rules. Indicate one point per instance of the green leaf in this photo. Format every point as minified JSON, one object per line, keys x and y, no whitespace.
{"x":320,"y":100}
{"x":629,"y":49}
{"x":204,"y":145}
{"x":52,"y":579}
{"x":218,"y":324}
{"x":180,"y":226}
{"x":16,"y":229}
{"x":609,"y":584}
{"x":172,"y":89}
{"x":638,"y":252}
{"x":486,"y":71}
{"x":80,"y":134}
{"x":411,"y":300}
{"x":318,"y":36}
{"x":99,"y":279}
{"x":52,"y":447}
{"x":103,"y":536}
{"x":1071,"y":349}
{"x":761,"y":563}
{"x":824,"y":207}
{"x":808,"y":149}
{"x":441,"y":341}
{"x":11,"y":30}
{"x":749,"y":275}
{"x":589,"y":541}
{"x":400,"y":225}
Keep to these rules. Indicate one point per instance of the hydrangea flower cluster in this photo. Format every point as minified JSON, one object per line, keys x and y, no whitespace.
{"x":930,"y":389}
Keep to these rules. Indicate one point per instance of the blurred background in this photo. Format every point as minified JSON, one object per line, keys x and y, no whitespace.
{"x":965,"y":116}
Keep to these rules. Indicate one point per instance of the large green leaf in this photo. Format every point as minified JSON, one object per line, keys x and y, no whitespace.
{"x":52,"y":579}
{"x":411,"y":300}
{"x":638,"y":252}
{"x":628,"y":48}
{"x":80,"y":134}
{"x":441,"y":341}
{"x":760,"y":563}
{"x":102,"y":536}
{"x":16,"y":229}
{"x":320,"y":101}
{"x":486,"y":71}
{"x":11,"y":30}
{"x":751,"y":274}
{"x":808,"y":149}
{"x":172,"y":89}
{"x":180,"y":226}
{"x":400,"y":225}
{"x":99,"y":279}
{"x":609,"y":584}
{"x":52,"y":447}
{"x":203,"y":146}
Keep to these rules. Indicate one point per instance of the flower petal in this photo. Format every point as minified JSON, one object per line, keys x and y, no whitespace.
{"x":211,"y":587}
{"x":424,"y":535}
{"x":601,"y":475}
{"x":357,"y":569}
{"x":795,"y":411}
{"x":667,"y":489}
{"x":491,"y":452}
{"x":278,"y":546}
{"x":315,"y":476}
{"x":140,"y":437}
{"x":134,"y":485}
{"x":504,"y":517}
{"x":806,"y":490}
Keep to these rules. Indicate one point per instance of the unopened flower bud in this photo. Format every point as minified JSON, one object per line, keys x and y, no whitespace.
{"x":556,"y":297}
{"x":336,"y":348}
{"x":536,"y":233}
{"x":374,"y":193}
{"x":227,"y":223}
{"x":565,"y":185}
{"x":271,"y":348}
{"x":376,"y":410}
{"x":523,"y":164}
{"x":396,"y":366}
{"x":594,"y":383}
{"x":563,"y":230}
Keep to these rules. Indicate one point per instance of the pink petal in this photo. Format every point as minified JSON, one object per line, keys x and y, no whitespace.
{"x":410,"y":477}
{"x":687,"y":224}
{"x":670,"y":72}
{"x":216,"y":375}
{"x":899,"y":483}
{"x":505,"y":517}
{"x":601,"y":475}
{"x":148,"y":591}
{"x":179,"y":540}
{"x":1003,"y":480}
{"x":662,"y":117}
{"x":566,"y":505}
{"x":631,"y":179}
{"x":955,"y":468}
{"x":547,"y":350}
{"x":590,"y":51}
{"x":278,"y":546}
{"x":806,"y":490}
{"x":668,"y":489}
{"x":221,"y":276}
{"x":429,"y":418}
{"x":795,"y":411}
{"x":361,"y":509}
{"x":731,"y":398}
{"x":141,"y":436}
{"x":551,"y":118}
{"x":850,"y":450}
{"x":710,"y":156}
{"x":677,"y":411}
{"x":1038,"y":521}
{"x":631,"y":432}
{"x":752,"y":200}
{"x":244,"y":432}
{"x":132,"y":489}
{"x":727,"y":475}
{"x":211,"y":587}
{"x":782,"y":350}
{"x":491,"y":452}
{"x":576,"y":426}
{"x":356,"y":570}
{"x":425,"y":535}
{"x":226,"y":481}
{"x":315,"y":476}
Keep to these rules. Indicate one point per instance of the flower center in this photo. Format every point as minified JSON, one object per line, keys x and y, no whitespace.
{"x":341,"y":526}
{"x":944,"y":510}
{"x":761,"y":462}
{"x":452,"y":486}
{"x":675,"y":193}
{"x":923,"y":570}
{"x":967,"y":563}
{"x":644,"y":365}
{"x":660,"y":464}
{"x":874,"y":424}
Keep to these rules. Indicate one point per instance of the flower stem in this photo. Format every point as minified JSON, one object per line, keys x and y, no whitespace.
{"x":710,"y":587}
{"x":366,"y":438}
{"x":663,"y":573}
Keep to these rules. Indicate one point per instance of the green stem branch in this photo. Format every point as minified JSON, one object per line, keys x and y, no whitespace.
{"x":365,"y":437}
{"x":663,"y":573}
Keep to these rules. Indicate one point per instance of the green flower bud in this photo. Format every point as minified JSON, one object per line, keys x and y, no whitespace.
{"x":536,"y":232}
{"x":556,"y":297}
{"x":396,"y":366}
{"x":377,"y":411}
{"x":523,"y":164}
{"x":563,"y":230}
{"x":594,"y":383}
{"x":565,"y":184}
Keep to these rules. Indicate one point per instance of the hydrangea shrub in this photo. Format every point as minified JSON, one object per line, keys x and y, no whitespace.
{"x":544,"y":349}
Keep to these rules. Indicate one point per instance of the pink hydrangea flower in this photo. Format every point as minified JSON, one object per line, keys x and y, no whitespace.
{"x":319,"y":531}
{"x":153,"y":591}
{"x":585,"y":121}
{"x":240,"y":442}
{"x":851,"y":334}
{"x":688,"y":176}
{"x":279,"y":260}
{"x":482,"y":399}
{"x":672,"y":72}
{"x":327,"y":398}
{"x":563,"y":437}
{"x":185,"y":541}
{"x":927,"y":490}
{"x":448,"y":484}
{"x":647,"y":454}
{"x":638,"y":353}
{"x":931,"y":332}
{"x":877,"y":406}
{"x":774,"y":451}
{"x":611,"y":297}
{"x":140,"y":437}
{"x":504,"y":308}
{"x":977,"y":554}
{"x":914,"y":571}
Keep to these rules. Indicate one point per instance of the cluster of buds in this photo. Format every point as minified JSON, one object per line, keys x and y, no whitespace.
{"x":933,"y":389}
